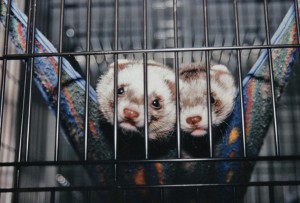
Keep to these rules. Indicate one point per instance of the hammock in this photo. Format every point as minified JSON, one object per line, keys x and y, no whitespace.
{"x":258,"y":114}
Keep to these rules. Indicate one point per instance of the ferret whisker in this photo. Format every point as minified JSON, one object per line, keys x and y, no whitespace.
{"x":224,"y":122}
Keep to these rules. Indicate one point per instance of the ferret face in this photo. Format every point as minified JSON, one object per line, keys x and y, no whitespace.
{"x":161,"y":102}
{"x":193,"y":97}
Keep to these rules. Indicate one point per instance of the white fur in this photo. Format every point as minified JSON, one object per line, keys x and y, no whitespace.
{"x":132,"y":79}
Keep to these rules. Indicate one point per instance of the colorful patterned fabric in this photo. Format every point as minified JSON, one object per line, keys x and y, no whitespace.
{"x":257,"y":106}
{"x":72,"y":113}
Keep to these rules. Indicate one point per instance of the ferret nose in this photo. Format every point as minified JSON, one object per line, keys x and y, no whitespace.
{"x":130,"y":114}
{"x":193,"y":120}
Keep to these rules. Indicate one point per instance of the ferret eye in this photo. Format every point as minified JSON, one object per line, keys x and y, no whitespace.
{"x":212,"y":99}
{"x":121,"y":91}
{"x":156,"y":104}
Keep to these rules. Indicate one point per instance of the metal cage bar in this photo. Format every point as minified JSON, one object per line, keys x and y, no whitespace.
{"x":266,"y":13}
{"x":4,"y":69}
{"x":62,"y":16}
{"x":116,"y":30}
{"x":240,"y":82}
{"x":87,"y":87}
{"x":176,"y":67}
{"x":145,"y":59}
{"x":208,"y":83}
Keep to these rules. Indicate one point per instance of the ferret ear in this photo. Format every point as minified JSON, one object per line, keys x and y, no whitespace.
{"x":191,"y":71}
{"x":220,"y":67}
{"x":154,"y":63}
{"x":222,"y":75}
{"x":121,"y":64}
{"x":172,"y":88}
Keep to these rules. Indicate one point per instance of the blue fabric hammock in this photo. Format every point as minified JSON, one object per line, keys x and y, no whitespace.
{"x":257,"y":106}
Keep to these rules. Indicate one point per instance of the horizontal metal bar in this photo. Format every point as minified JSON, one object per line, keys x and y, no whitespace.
{"x":148,"y":161}
{"x":108,"y":4}
{"x":245,"y":184}
{"x":136,"y":51}
{"x":95,"y":188}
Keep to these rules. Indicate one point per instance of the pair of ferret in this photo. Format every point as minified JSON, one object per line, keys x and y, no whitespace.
{"x":162,"y":98}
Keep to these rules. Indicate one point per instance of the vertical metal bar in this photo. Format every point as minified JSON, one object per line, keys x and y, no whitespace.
{"x":145,"y":59}
{"x":240,"y":82}
{"x":88,"y":197}
{"x":52,"y":197}
{"x":3,"y":80}
{"x":124,"y":196}
{"x":298,"y":42}
{"x":61,"y":30}
{"x":198,"y":195}
{"x":162,"y":195}
{"x":30,"y":34}
{"x":145,"y":20}
{"x":27,"y":65}
{"x":297,"y":19}
{"x":266,"y":15}
{"x":271,"y":193}
{"x":146,"y":127}
{"x":32,"y":44}
{"x":175,"y":30}
{"x":297,"y":186}
{"x":24,"y":102}
{"x":234,"y":199}
{"x":87,"y":84}
{"x":205,"y":13}
{"x":116,"y":14}
{"x":296,"y":4}
{"x":19,"y":142}
{"x":3,"y":84}
{"x":175,"y":27}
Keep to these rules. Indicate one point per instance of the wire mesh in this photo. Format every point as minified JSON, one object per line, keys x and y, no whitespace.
{"x":38,"y":163}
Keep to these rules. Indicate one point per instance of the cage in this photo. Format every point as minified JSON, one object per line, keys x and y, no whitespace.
{"x":40,"y":164}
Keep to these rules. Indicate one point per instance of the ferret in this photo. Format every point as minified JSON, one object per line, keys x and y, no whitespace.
{"x":194,"y":115}
{"x":161,"y":98}
{"x":193,"y":97}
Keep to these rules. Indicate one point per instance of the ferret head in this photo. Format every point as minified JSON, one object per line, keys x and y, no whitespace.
{"x":193,"y":97}
{"x":161,"y":99}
